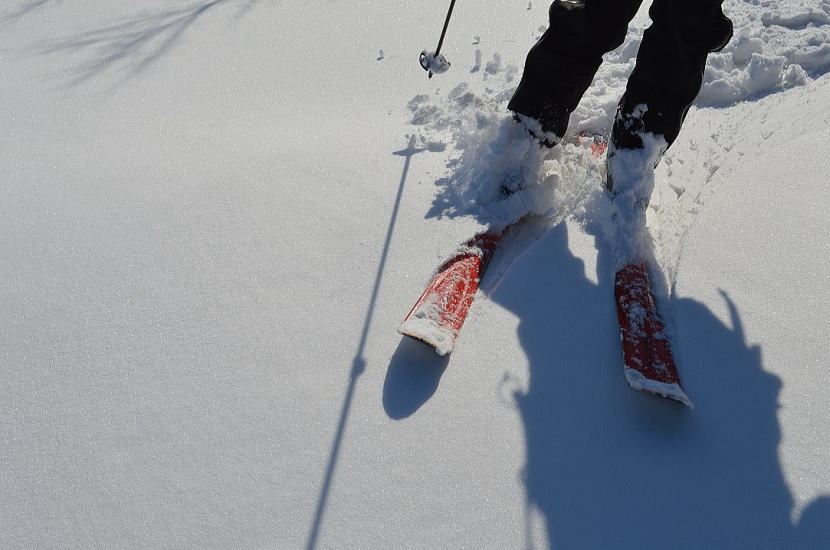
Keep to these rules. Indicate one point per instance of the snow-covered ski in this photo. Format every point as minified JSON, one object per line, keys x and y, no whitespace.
{"x":648,"y":361}
{"x":439,"y":313}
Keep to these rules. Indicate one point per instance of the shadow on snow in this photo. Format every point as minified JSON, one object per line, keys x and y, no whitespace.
{"x":23,"y":10}
{"x":132,"y":44}
{"x":359,"y":361}
{"x":608,"y":467}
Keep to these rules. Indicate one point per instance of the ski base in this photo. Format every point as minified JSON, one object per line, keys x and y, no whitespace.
{"x":647,"y":356}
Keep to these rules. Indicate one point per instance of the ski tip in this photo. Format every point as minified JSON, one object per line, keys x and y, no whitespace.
{"x":671,"y":391}
{"x":422,"y":330}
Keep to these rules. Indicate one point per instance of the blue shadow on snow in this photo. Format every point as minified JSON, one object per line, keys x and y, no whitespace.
{"x":608,"y":467}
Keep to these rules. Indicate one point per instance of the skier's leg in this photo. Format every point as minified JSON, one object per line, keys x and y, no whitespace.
{"x":665,"y":81}
{"x":669,"y":70}
{"x":561,"y":66}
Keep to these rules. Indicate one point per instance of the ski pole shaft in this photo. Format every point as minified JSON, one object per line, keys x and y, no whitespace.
{"x":444,"y":31}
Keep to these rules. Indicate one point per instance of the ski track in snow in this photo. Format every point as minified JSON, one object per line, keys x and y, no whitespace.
{"x":776,"y":47}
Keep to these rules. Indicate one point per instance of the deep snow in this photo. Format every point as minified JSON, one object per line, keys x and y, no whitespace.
{"x":217,"y":212}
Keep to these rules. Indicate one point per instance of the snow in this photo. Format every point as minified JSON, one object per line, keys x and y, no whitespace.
{"x":791,"y":236}
{"x":217,"y":212}
{"x":632,"y":174}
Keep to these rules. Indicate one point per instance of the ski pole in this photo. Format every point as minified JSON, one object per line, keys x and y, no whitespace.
{"x":428,"y":64}
{"x":444,"y":30}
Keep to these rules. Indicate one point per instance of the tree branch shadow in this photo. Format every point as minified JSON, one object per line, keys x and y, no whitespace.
{"x":130,"y":45}
{"x":23,"y":10}
{"x":245,"y":8}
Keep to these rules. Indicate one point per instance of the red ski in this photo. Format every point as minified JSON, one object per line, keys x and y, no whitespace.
{"x":647,"y":356}
{"x":439,"y":313}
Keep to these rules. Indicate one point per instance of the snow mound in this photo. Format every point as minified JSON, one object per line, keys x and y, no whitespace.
{"x":780,"y":46}
{"x":496,"y":171}
{"x":776,"y":47}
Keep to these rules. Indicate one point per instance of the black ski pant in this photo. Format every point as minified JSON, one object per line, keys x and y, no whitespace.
{"x":667,"y":76}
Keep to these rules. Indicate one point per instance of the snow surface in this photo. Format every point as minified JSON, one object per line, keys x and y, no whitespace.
{"x":218,"y":211}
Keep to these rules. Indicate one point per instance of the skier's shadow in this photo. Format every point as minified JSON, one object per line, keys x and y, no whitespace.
{"x":608,"y":467}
